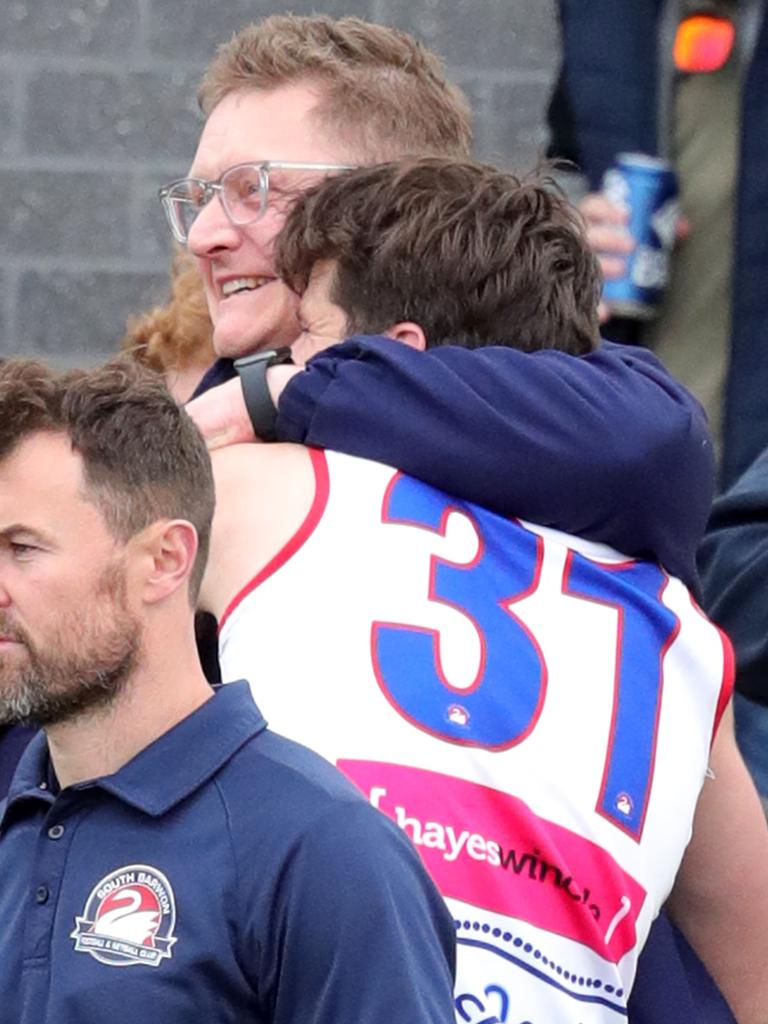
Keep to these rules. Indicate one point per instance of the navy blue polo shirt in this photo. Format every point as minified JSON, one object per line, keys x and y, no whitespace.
{"x":225,"y":874}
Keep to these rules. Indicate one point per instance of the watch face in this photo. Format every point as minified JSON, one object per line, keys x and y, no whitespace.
{"x":283,"y":355}
{"x":270,"y":356}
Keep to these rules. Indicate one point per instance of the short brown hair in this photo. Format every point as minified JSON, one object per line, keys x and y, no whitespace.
{"x":178,"y":334}
{"x":470,"y":253}
{"x":381,"y":92}
{"x":143,"y":457}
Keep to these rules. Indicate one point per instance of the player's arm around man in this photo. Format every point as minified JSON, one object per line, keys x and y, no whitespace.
{"x":720,"y":897}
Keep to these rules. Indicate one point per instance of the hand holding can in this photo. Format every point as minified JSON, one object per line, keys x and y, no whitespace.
{"x":646,"y":187}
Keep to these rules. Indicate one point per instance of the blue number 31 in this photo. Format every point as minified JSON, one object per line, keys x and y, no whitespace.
{"x":503,"y":703}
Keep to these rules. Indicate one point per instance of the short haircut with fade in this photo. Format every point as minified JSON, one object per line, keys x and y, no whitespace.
{"x":382,"y":93}
{"x":143,"y":457}
{"x":473,"y":255}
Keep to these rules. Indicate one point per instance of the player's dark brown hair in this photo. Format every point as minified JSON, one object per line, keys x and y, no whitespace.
{"x":382,"y":94}
{"x":470,"y":253}
{"x":143,"y":457}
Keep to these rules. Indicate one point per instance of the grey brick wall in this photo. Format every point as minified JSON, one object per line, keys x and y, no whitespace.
{"x":97,"y":108}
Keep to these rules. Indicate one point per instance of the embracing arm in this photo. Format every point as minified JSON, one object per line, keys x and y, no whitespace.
{"x":720,"y":898}
{"x":606,"y":446}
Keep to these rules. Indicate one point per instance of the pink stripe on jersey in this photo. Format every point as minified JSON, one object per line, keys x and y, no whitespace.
{"x":489,"y":849}
{"x":729,"y":678}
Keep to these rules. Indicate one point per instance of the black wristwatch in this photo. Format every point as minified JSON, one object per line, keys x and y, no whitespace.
{"x":252,"y":371}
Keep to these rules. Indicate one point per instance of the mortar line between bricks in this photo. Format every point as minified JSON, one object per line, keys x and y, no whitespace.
{"x":73,"y":265}
{"x":33,"y":62}
{"x":67,"y":164}
{"x":119,"y":64}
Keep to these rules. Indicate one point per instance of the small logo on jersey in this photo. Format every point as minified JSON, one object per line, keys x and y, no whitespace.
{"x":624,"y":804}
{"x":458,"y":715}
{"x":129,"y":918}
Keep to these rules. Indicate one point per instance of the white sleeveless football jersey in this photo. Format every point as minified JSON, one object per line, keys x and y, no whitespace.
{"x":534,"y":710}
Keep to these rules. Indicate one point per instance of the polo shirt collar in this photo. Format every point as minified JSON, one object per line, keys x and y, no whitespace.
{"x":31,"y":775}
{"x":171,"y":768}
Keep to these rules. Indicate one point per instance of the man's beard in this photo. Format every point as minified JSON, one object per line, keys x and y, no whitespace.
{"x":84,"y":666}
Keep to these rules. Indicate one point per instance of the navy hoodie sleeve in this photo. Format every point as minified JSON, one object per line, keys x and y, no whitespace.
{"x":606,"y":446}
{"x":734,"y":569}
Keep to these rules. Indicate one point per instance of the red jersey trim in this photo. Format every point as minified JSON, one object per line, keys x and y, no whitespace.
{"x":297,"y":541}
{"x":729,"y":669}
{"x":729,"y":679}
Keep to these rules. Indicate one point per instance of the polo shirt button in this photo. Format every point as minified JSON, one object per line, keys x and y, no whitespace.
{"x":55,"y":831}
{"x":41,"y":894}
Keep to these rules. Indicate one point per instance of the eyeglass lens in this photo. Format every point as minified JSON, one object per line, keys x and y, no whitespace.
{"x":243,"y":191}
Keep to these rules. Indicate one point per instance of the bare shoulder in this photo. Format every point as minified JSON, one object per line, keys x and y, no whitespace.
{"x":263,"y":495}
{"x":240,"y":464}
{"x":720,"y":898}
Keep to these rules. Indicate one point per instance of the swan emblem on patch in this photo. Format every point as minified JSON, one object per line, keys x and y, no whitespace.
{"x":129,"y":918}
{"x":458,"y":715}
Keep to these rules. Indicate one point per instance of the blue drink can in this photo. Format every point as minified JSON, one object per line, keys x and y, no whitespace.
{"x":647,"y":186}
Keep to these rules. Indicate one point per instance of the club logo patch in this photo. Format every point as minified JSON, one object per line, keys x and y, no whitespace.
{"x":129,"y":918}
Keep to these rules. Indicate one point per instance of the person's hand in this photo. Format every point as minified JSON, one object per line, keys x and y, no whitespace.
{"x":609,"y":238}
{"x":221,"y":415}
{"x":607,"y":232}
{"x":278,"y":377}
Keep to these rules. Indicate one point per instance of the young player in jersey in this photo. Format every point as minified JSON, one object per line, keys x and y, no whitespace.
{"x":534,"y":710}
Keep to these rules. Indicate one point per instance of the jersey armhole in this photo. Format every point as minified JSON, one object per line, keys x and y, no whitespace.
{"x":297,"y":541}
{"x":729,"y":679}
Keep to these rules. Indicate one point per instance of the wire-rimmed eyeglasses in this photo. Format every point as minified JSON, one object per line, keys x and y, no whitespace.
{"x":244,"y":191}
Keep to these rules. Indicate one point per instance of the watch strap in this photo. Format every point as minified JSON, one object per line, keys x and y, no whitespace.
{"x":252,"y":371}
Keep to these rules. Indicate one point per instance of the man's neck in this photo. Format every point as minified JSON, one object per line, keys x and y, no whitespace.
{"x":99,"y":742}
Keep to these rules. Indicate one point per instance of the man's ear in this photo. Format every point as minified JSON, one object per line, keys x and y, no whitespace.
{"x":166,"y":553}
{"x":408,"y":333}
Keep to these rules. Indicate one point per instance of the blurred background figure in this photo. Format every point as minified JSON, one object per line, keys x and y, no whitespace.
{"x":733,"y":561}
{"x":685,"y":80}
{"x":175,"y":339}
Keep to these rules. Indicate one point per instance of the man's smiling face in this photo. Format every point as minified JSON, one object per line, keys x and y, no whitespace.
{"x":249,"y":306}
